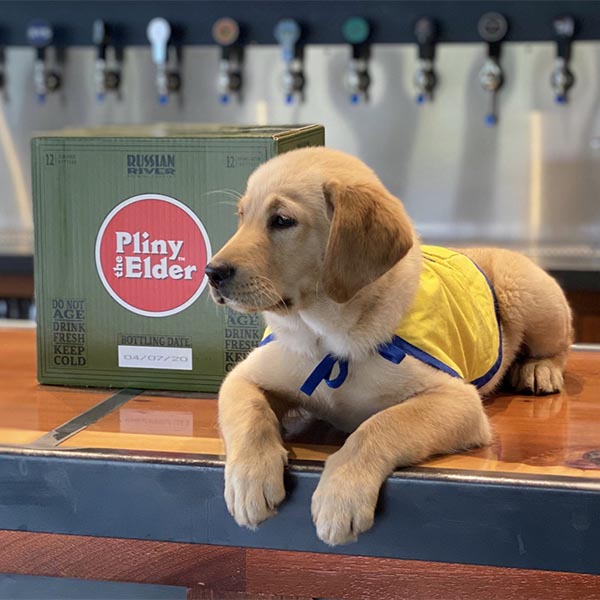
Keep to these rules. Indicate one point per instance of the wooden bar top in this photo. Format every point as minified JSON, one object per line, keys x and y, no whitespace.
{"x":557,"y":435}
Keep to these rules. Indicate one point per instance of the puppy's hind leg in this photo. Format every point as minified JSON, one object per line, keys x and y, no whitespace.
{"x":546,"y":330}
{"x":536,"y":320}
{"x":538,"y":376}
{"x":547,"y":336}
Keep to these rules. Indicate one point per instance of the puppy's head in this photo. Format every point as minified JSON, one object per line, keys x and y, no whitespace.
{"x":312,"y":220}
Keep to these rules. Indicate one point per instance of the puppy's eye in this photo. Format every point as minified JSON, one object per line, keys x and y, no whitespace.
{"x":281,"y":222}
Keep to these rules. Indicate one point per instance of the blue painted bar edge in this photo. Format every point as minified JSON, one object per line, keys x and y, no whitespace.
{"x":26,"y":587}
{"x":507,"y":525}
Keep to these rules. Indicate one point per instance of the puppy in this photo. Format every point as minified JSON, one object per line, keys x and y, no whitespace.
{"x":382,"y":337}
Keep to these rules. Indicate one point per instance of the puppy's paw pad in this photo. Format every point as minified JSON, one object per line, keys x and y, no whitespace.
{"x":537,"y":376}
{"x":254,"y":488}
{"x":341,"y":513}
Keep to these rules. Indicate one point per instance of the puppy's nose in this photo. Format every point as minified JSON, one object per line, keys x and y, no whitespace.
{"x":218,"y":273}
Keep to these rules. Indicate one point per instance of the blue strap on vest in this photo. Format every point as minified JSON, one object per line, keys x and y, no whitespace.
{"x":395,"y":351}
{"x":268,"y":339}
{"x":392,"y":352}
{"x":400,"y":347}
{"x":322,"y":372}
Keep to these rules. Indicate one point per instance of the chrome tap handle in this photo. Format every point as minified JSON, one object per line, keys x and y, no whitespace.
{"x":492,"y":28}
{"x":562,"y":78}
{"x":357,"y":80}
{"x":293,"y":81}
{"x":491,"y":79}
{"x":100,"y":37}
{"x":159,"y":35}
{"x":226,"y":33}
{"x":40,"y":35}
{"x":425,"y":80}
{"x":287,"y":32}
{"x":105,"y":79}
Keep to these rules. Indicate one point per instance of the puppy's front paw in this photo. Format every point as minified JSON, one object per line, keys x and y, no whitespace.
{"x":254,"y":486}
{"x":343,"y":504}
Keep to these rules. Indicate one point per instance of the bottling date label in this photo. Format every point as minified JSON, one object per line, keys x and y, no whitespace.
{"x":155,"y":357}
{"x":148,"y":351}
{"x":69,"y":335}
{"x":151,"y":252}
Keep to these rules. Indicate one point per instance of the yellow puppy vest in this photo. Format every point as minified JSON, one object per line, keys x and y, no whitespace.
{"x":452,"y":325}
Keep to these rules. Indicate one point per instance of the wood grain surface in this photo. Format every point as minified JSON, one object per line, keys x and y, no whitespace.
{"x":550,"y":435}
{"x":229,"y":572}
{"x":553,"y":435}
{"x":27,"y":409}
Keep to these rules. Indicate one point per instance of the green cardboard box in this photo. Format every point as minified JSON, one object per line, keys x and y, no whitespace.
{"x":125,"y":220}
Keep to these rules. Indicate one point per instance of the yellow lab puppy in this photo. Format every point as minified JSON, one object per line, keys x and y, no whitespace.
{"x":370,"y":331}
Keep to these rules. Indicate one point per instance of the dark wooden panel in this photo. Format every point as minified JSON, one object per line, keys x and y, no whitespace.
{"x":235,"y":573}
{"x":111,"y":559}
{"x":16,"y":286}
{"x":201,"y":594}
{"x":381,"y":579}
{"x":586,"y":315}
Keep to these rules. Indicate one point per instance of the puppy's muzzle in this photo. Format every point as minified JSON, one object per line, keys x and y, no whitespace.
{"x":219,"y":273}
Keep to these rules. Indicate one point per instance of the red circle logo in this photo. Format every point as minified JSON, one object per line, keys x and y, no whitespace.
{"x":151,"y":252}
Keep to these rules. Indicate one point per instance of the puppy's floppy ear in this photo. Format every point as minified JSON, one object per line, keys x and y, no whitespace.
{"x":370,"y":232}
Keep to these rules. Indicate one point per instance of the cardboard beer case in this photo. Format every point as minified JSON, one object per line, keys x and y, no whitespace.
{"x":126,"y":219}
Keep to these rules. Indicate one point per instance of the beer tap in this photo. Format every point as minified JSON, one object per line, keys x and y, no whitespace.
{"x":226,"y":32}
{"x":105,"y":79}
{"x":2,"y":73}
{"x":167,"y":79}
{"x":492,"y":28}
{"x":40,"y":35}
{"x":287,"y":33}
{"x":356,"y":32}
{"x":425,"y":80}
{"x":562,"y":78}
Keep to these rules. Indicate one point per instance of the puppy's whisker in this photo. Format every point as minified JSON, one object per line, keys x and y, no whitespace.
{"x":271,"y":292}
{"x":232,"y":194}
{"x":227,"y":191}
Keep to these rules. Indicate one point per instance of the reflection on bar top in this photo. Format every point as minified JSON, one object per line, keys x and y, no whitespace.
{"x":552,"y":435}
{"x":549,"y":436}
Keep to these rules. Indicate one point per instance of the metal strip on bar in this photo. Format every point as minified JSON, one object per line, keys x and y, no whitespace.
{"x":585,"y":347}
{"x":66,"y":430}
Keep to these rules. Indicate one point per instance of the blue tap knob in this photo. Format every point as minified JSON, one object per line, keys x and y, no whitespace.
{"x":159,"y":34}
{"x":287,"y":33}
{"x":40,"y":33}
{"x":491,"y":120}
